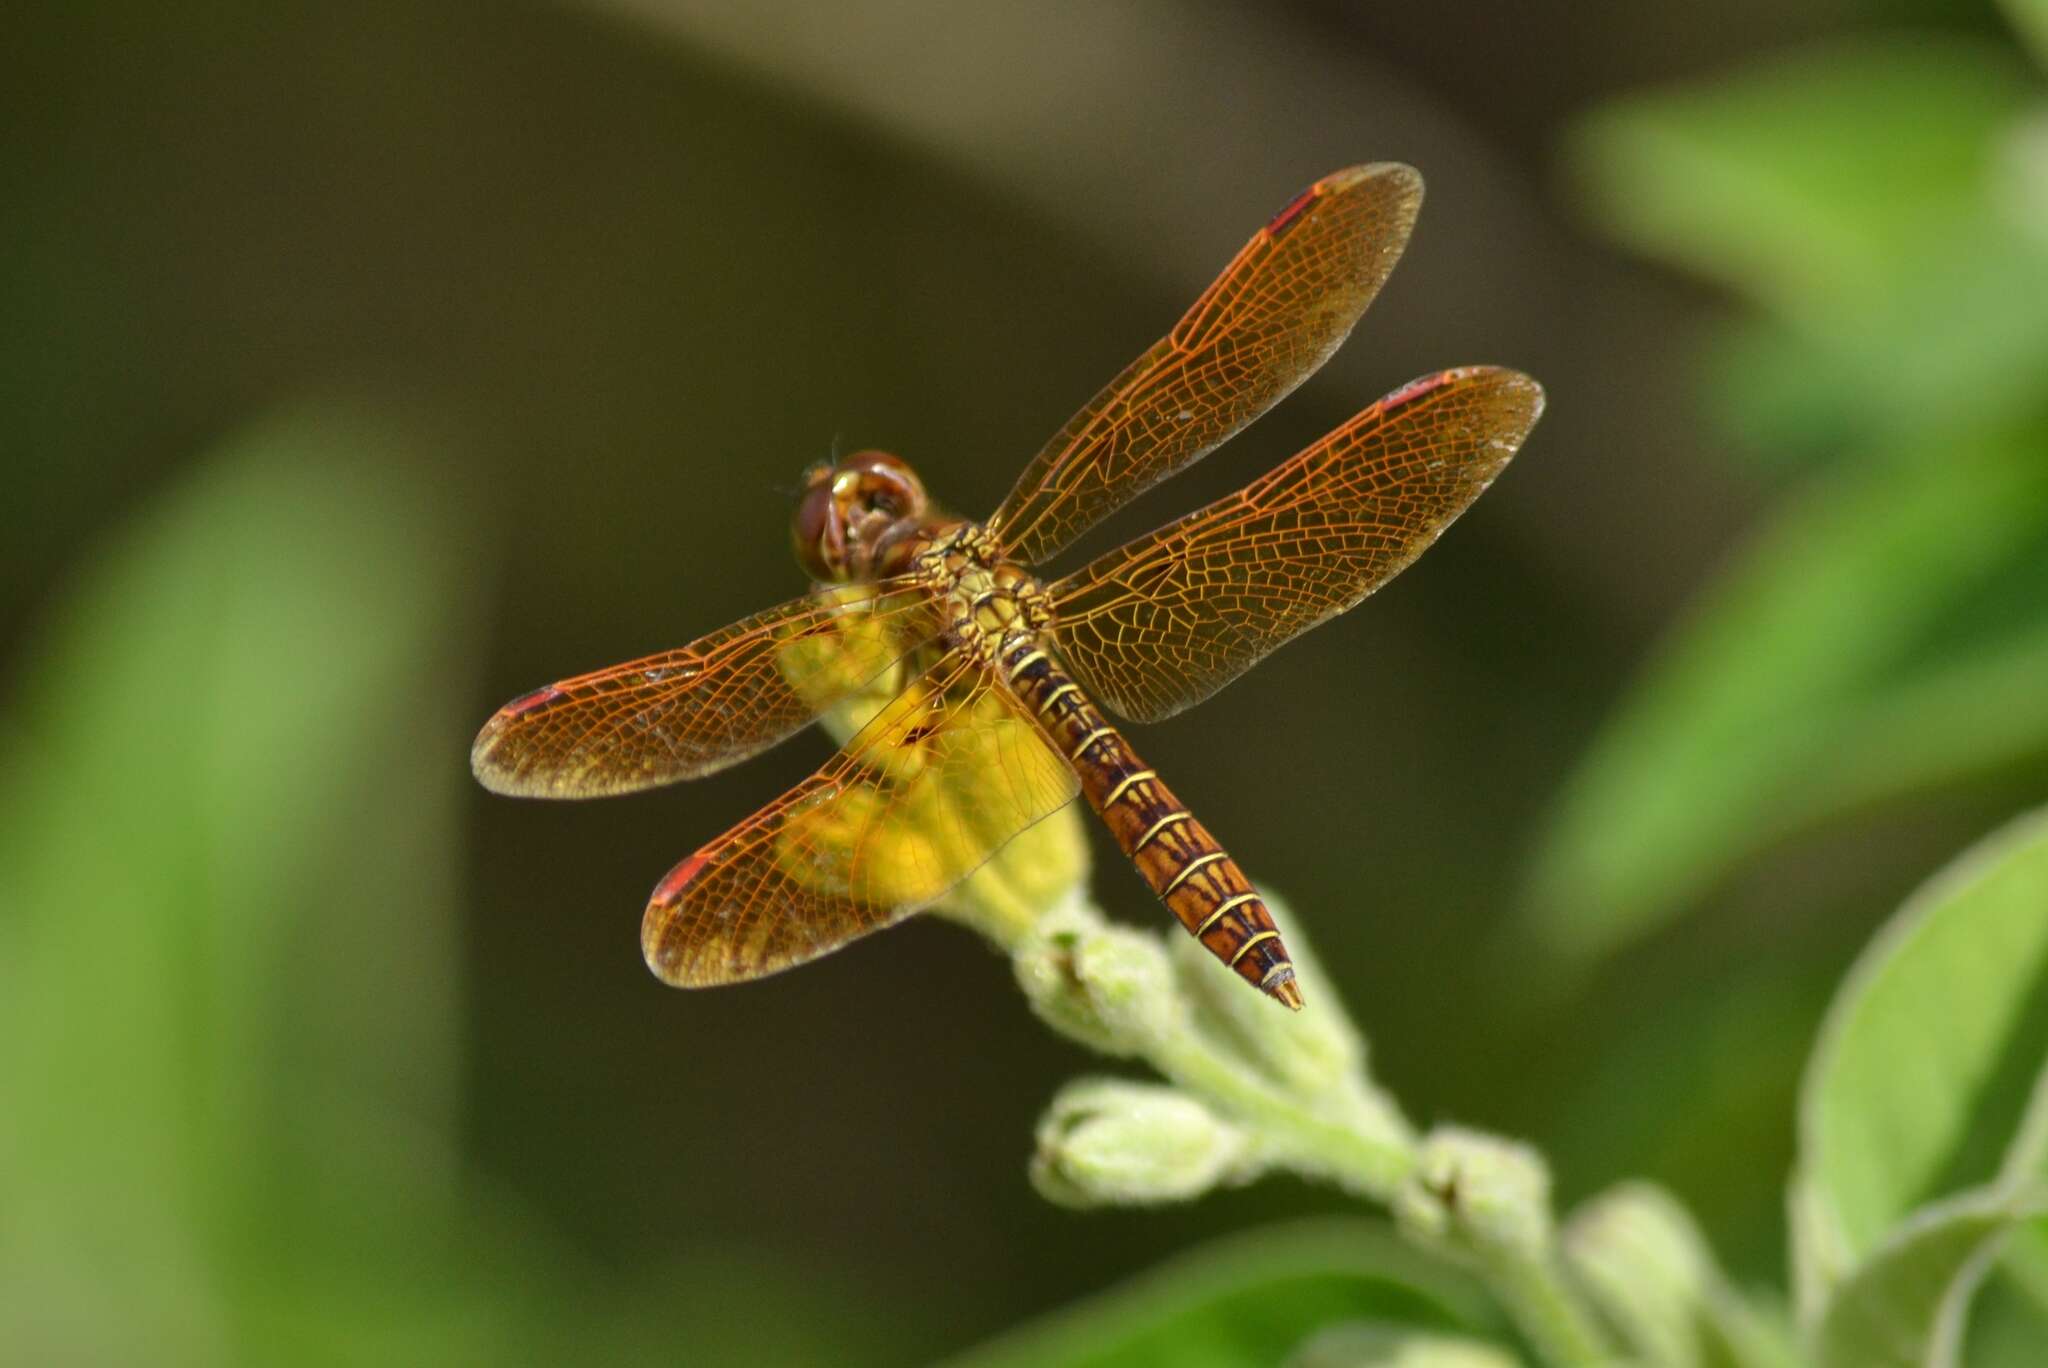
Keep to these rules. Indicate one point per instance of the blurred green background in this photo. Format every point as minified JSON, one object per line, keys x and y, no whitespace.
{"x":365,"y":366}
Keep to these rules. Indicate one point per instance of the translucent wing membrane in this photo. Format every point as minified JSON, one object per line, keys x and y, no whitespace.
{"x":692,"y":711}
{"x":918,"y":799}
{"x":1277,"y":311}
{"x":1168,"y":619}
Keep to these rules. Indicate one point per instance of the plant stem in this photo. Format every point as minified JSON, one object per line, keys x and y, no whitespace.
{"x":1547,"y":1310}
{"x":1119,"y":992}
{"x":1368,"y":1165}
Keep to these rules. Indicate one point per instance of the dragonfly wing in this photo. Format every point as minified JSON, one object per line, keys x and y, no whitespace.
{"x":937,"y":782}
{"x":1166,"y":620}
{"x":690,"y":712}
{"x":1275,"y":314}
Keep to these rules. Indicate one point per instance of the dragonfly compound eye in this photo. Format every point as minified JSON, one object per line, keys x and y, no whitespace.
{"x":884,"y":484}
{"x":819,"y":532}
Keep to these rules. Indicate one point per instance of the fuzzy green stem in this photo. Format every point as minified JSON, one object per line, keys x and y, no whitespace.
{"x":1369,"y":1165}
{"x":1303,"y":1101}
{"x":1531,"y":1287}
{"x":1547,"y":1309}
{"x":995,"y":909}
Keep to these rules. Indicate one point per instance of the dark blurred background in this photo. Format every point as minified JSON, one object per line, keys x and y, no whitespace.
{"x":365,"y":366}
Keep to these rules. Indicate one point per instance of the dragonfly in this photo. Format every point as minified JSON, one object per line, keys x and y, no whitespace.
{"x":1000,"y":680}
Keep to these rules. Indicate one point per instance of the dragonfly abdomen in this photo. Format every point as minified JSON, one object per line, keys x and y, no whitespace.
{"x":1185,"y":866}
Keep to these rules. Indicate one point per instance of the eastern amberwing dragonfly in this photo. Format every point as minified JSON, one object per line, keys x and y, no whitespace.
{"x":1002,"y":673}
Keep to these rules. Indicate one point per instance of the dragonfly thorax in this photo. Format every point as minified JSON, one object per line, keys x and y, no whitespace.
{"x":986,"y":600}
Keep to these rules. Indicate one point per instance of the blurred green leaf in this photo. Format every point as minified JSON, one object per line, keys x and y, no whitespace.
{"x":1973,"y":715}
{"x":1812,"y":675}
{"x":2025,"y":1262}
{"x":1366,"y":1345}
{"x":1641,"y":1260}
{"x":1244,"y":1300}
{"x":1813,"y":183}
{"x":1863,"y":195}
{"x":2030,"y":19}
{"x":1779,"y":396}
{"x":1906,"y":1305}
{"x":1958,"y":341}
{"x":2026,"y":1266}
{"x":2006,"y":1330}
{"x":1929,"y":1075}
{"x":229,"y":817}
{"x":1693,"y":1083}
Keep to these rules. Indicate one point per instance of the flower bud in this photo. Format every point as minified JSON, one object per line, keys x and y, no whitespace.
{"x":1648,"y":1269}
{"x":1106,"y":986}
{"x":1477,"y":1193}
{"x":1104,"y":1142}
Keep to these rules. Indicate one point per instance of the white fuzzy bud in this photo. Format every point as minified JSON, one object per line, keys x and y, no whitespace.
{"x":1106,"y":986}
{"x":1477,"y":1193}
{"x":1646,"y":1266}
{"x":1109,"y":1143}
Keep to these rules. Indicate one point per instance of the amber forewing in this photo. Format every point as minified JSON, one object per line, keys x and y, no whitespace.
{"x":1282,"y":305}
{"x":1164,"y":621}
{"x":693,"y":711}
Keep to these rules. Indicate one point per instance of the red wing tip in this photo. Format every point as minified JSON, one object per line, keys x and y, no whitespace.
{"x":1421,"y":385}
{"x":527,"y":702}
{"x":496,"y":777}
{"x":1399,"y":177}
{"x":1457,"y":375}
{"x":1392,"y":172}
{"x":1277,"y":226}
{"x":660,"y":945}
{"x":1392,"y":180}
{"x":676,"y":880}
{"x":657,"y":947}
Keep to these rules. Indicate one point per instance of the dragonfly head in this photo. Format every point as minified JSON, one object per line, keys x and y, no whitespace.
{"x":851,"y":510}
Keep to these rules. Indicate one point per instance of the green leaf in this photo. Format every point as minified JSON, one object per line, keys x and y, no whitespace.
{"x":1880,"y":203}
{"x":1906,"y":1305}
{"x":1929,"y":1074}
{"x":1813,"y":183}
{"x":2026,"y":1265}
{"x":1972,"y":715}
{"x":1369,"y":1345}
{"x":1959,"y":342}
{"x":1777,"y":703}
{"x":1245,"y":1301}
{"x":2007,"y":1328}
{"x":226,"y":928}
{"x":2030,"y":19}
{"x":1642,"y":1261}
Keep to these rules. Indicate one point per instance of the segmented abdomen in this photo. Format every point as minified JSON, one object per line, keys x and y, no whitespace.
{"x":1174,"y":853}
